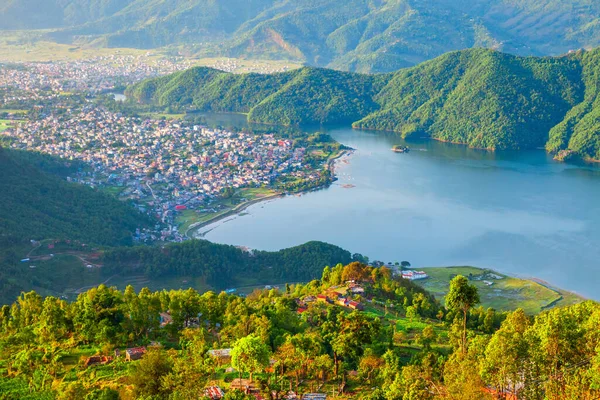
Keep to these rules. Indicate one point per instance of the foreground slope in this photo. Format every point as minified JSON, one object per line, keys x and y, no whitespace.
{"x":482,"y":98}
{"x":357,"y":332}
{"x":357,"y":35}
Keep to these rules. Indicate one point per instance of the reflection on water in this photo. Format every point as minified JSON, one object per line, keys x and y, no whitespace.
{"x":443,"y":204}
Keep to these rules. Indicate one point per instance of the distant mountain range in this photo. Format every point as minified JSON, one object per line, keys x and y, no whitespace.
{"x":356,"y":35}
{"x":482,"y":98}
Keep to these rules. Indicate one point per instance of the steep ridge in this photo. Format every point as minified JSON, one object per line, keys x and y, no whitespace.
{"x":579,"y":131}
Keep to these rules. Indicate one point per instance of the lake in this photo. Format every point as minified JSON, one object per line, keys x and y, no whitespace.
{"x":520,"y":213}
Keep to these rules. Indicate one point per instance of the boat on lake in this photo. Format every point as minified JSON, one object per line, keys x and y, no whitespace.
{"x":400,"y":149}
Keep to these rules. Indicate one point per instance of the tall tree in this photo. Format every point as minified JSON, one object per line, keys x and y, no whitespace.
{"x":462,"y":297}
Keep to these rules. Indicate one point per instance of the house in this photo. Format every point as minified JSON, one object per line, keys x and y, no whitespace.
{"x":355,"y":305}
{"x":322,"y":298}
{"x":357,"y":289}
{"x":300,"y":310}
{"x":309,"y":299}
{"x":165,"y":319}
{"x":223,"y":356}
{"x":314,"y":396}
{"x":134,"y":353}
{"x":95,"y":360}
{"x":214,"y":392}
{"x":414,"y":275}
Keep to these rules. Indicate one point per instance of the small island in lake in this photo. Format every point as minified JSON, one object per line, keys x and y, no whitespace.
{"x":400,"y":149}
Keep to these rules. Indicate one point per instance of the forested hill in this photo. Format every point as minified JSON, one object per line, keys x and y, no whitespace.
{"x":223,"y":265}
{"x":40,"y":205}
{"x":482,"y":98}
{"x":358,"y":35}
{"x":302,"y":96}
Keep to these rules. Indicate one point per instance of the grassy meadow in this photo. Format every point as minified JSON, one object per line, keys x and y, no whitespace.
{"x":505,"y":293}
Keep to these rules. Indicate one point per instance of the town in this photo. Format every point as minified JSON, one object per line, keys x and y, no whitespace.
{"x":163,"y":166}
{"x":93,"y":75}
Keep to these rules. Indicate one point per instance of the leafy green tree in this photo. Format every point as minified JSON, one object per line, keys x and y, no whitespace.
{"x":427,"y":337}
{"x":506,"y":354}
{"x":461,"y":297}
{"x":149,"y":373}
{"x":250,"y":354}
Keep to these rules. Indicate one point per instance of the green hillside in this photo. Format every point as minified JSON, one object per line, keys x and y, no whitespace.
{"x":306,"y":95}
{"x":221,"y":265}
{"x":40,"y":205}
{"x":482,"y":98}
{"x":357,"y":35}
{"x":356,"y":332}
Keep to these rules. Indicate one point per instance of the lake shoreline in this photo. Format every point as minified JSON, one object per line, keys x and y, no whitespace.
{"x":329,"y":165}
{"x":236,"y":210}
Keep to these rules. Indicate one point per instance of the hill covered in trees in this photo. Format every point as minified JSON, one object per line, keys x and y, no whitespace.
{"x":357,"y":35}
{"x":223,"y":265}
{"x":358,"y":332}
{"x":39,"y":205}
{"x":479,"y":97}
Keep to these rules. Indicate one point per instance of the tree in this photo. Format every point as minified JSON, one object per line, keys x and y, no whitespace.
{"x":506,"y":354}
{"x":427,"y":337}
{"x":250,"y":355}
{"x":411,"y":313}
{"x":369,"y":366}
{"x":461,"y":297}
{"x":354,"y":271}
{"x":149,"y":373}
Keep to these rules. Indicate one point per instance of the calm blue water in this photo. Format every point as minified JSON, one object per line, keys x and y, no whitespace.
{"x":440,"y":205}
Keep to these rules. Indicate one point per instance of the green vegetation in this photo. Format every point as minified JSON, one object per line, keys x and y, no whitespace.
{"x":306,"y":338}
{"x":37,"y":203}
{"x":305,"y":95}
{"x":222,"y":265}
{"x":481,"y":98}
{"x":40,"y":205}
{"x":505,"y":293}
{"x":195,"y":263}
{"x":358,"y":35}
{"x":5,"y":124}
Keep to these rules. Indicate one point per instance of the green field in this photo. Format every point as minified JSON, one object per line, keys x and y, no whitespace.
{"x":156,"y":115}
{"x":506,"y":293}
{"x":30,"y":46}
{"x":5,"y":124}
{"x":12,"y":111}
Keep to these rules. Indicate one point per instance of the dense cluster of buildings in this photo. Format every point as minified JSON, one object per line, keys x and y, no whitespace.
{"x":91,"y":75}
{"x":233,"y":65}
{"x":164,"y":166}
